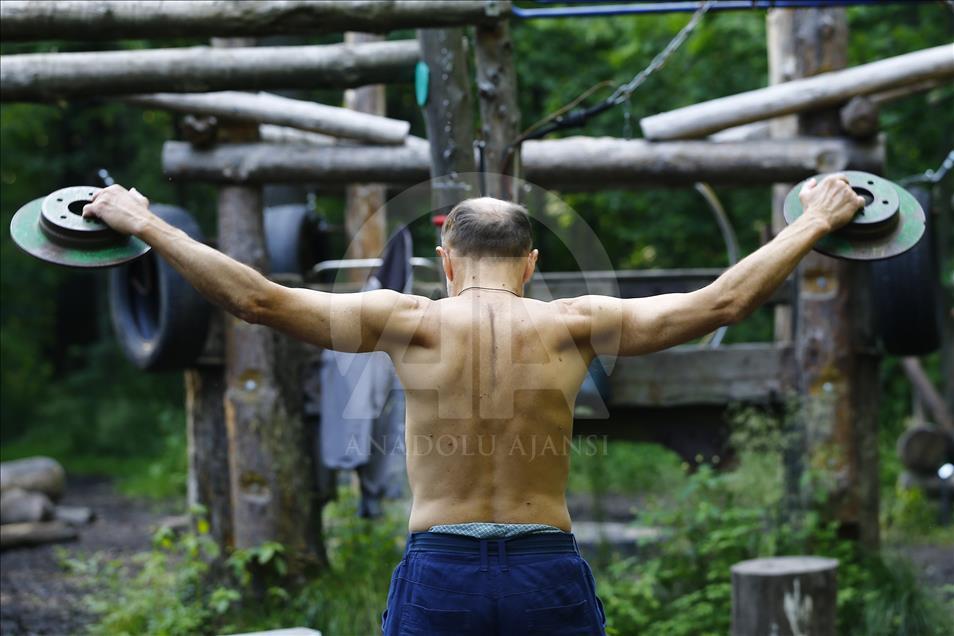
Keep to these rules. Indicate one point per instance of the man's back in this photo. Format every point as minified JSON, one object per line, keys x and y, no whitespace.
{"x":490,"y":380}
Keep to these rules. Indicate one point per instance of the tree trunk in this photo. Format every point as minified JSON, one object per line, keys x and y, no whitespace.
{"x":265,"y":108}
{"x":813,"y":93}
{"x":448,"y":114}
{"x":365,"y":218}
{"x":271,"y":471}
{"x":499,"y":111}
{"x":209,"y":474}
{"x":836,"y":363}
{"x":785,"y":596}
{"x":569,"y":165}
{"x":122,"y":19}
{"x":50,"y":76}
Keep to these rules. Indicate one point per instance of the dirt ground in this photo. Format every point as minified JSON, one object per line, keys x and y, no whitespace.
{"x":36,"y":596}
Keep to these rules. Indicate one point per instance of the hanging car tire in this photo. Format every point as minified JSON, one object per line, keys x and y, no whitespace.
{"x":293,"y":238}
{"x":905,"y":294}
{"x":160,"y":320}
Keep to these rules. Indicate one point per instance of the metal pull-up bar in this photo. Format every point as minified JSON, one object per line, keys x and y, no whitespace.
{"x":684,"y":6}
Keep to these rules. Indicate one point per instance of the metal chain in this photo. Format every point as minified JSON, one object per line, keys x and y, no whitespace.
{"x":622,"y":93}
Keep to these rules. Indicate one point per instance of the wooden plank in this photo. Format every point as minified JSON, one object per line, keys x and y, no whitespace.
{"x":700,"y":375}
{"x":50,"y":76}
{"x":568,"y":165}
{"x":265,"y":108}
{"x":812,"y":93}
{"x":124,"y":19}
{"x":633,"y":283}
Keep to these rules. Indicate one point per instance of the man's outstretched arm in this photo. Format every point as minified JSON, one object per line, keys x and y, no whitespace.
{"x":359,"y":322}
{"x":643,"y":325}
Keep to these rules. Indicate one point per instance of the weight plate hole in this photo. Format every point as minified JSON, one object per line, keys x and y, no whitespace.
{"x":76,"y":207}
{"x":885,"y":201}
{"x":62,"y":216}
{"x":60,"y":200}
{"x":867,"y":196}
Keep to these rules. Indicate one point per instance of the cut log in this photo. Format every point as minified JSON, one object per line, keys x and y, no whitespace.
{"x":14,"y":535}
{"x":923,"y":450}
{"x":283,"y":135}
{"x":571,"y":164}
{"x":785,"y":596}
{"x":827,"y":89}
{"x":21,"y":506}
{"x":74,"y":515}
{"x":265,"y":108}
{"x":122,"y":19}
{"x":45,"y":76}
{"x":40,"y":474}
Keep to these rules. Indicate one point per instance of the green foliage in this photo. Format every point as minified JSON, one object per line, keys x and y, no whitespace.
{"x":183,"y":587}
{"x":625,"y":468}
{"x":719,"y":519}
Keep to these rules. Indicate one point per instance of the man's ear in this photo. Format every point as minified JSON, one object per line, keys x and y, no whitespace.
{"x":531,"y":265}
{"x":444,"y":255}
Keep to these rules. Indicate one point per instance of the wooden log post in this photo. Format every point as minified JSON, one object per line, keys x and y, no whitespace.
{"x":569,"y":165}
{"x":499,"y":111}
{"x":271,"y":470}
{"x":265,"y":108}
{"x":448,"y":114}
{"x":365,"y":220}
{"x":785,"y":596}
{"x":46,"y":76}
{"x":119,"y":19}
{"x":807,"y":94}
{"x":835,"y":348}
{"x":209,"y":482}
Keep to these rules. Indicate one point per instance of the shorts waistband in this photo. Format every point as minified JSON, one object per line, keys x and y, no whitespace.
{"x":549,"y":543}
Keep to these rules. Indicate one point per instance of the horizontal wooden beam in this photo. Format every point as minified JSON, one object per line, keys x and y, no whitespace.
{"x":571,"y":164}
{"x":266,"y":108}
{"x":632,"y":283}
{"x":124,"y":19}
{"x":699,"y":375}
{"x":819,"y":91}
{"x":46,"y":76}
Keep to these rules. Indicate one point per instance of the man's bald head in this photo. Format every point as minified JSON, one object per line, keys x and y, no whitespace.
{"x":488,"y":227}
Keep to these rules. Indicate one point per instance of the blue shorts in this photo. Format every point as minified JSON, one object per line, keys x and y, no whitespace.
{"x":451,"y":584}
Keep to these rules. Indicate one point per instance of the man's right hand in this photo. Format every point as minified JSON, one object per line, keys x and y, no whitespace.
{"x":832,"y":200}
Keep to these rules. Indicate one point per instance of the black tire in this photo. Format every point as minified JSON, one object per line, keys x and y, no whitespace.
{"x":905,"y":294}
{"x":293,"y":239}
{"x":160,"y":320}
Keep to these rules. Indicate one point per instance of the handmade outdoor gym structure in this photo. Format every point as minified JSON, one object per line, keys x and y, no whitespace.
{"x":244,"y":381}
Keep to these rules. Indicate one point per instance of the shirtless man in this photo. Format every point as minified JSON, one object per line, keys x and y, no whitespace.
{"x":490,"y":380}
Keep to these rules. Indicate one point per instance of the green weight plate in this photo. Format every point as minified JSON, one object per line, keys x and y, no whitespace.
{"x":52,"y":229}
{"x":890,"y":224}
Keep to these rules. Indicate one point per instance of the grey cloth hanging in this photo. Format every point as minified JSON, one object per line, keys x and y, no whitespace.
{"x":362,"y":402}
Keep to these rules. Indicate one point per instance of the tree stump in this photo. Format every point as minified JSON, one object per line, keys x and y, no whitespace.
{"x":784,"y":596}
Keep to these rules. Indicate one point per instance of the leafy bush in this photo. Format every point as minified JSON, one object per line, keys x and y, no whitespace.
{"x":183,"y":586}
{"x":719,"y":519}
